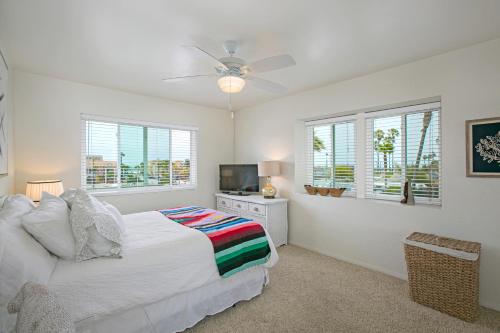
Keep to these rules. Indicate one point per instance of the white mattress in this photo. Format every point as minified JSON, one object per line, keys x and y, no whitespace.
{"x":160,"y":259}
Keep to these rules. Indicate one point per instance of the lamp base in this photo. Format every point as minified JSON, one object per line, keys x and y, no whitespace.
{"x":269,"y":191}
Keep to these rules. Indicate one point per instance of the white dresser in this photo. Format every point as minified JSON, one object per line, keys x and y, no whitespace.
{"x":271,"y":213}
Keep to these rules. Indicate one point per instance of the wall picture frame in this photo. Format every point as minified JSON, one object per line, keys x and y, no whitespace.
{"x":483,"y":147}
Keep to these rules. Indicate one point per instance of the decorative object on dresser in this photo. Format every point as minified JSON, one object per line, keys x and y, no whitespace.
{"x":443,"y":273}
{"x":269,"y":169}
{"x":271,"y":214}
{"x":35,"y":188}
{"x":483,"y":147}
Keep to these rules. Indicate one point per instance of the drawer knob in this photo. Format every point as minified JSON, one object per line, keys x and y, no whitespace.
{"x":239,"y":206}
{"x":256,"y":209}
{"x":223,"y":202}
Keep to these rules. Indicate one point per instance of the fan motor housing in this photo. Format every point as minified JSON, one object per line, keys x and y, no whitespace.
{"x":232,"y":62}
{"x":236,"y":66}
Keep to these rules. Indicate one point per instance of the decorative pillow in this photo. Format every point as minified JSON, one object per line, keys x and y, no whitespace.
{"x":96,"y":232}
{"x":22,"y":259}
{"x":15,"y":206}
{"x":117,"y":216}
{"x":38,"y":311}
{"x":49,"y":224}
{"x":69,"y":196}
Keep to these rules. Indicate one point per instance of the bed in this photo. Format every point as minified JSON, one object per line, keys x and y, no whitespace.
{"x":166,"y":280}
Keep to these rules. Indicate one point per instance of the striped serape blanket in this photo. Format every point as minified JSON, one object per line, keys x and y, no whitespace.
{"x":238,"y":243}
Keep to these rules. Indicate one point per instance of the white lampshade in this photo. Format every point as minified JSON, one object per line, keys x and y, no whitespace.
{"x":269,"y":168}
{"x":34,"y":189}
{"x":231,"y":84}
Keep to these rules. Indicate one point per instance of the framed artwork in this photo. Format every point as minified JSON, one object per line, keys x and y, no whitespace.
{"x":3,"y":113}
{"x":483,"y":147}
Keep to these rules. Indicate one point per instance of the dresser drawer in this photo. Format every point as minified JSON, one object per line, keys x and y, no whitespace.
{"x":224,"y":203}
{"x":257,"y":209}
{"x":240,"y":205}
{"x":256,"y":218}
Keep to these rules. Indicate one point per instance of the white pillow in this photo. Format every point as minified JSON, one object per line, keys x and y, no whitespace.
{"x":49,"y":224}
{"x":96,"y":232}
{"x":117,"y":216}
{"x":69,"y":196}
{"x":22,"y":259}
{"x":15,"y":206}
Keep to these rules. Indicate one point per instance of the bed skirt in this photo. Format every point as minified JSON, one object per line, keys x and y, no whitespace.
{"x":179,"y":312}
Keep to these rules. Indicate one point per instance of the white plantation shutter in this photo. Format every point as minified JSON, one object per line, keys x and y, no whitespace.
{"x":183,"y":157}
{"x":331,"y":153}
{"x":99,"y":155}
{"x":124,"y":154}
{"x":404,"y":144}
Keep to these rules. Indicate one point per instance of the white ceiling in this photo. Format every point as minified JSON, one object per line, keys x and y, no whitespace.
{"x":132,"y":45}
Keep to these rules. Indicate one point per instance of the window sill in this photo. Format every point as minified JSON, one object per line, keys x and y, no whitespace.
{"x":377,"y":201}
{"x":344,"y":196}
{"x":140,"y":190}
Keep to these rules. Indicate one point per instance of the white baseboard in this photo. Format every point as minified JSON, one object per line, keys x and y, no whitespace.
{"x":490,"y":305}
{"x":484,"y":303}
{"x":357,"y":263}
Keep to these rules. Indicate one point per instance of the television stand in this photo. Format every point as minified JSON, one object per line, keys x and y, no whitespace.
{"x":241,"y":194}
{"x":270,"y":213}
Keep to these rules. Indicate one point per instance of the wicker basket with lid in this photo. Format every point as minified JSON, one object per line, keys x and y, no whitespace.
{"x":443,"y":273}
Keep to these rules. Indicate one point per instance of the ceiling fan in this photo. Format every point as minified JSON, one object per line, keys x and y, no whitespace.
{"x":233,"y":72}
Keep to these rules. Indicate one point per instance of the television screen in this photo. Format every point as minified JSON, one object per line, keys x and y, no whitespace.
{"x":239,"y":178}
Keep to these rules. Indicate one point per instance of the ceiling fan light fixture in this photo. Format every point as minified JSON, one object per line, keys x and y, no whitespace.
{"x":231,"y":84}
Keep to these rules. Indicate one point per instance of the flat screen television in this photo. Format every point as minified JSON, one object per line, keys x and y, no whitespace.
{"x":239,"y":178}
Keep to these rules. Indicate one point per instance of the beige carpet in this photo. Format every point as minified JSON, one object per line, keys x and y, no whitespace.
{"x":310,"y":292}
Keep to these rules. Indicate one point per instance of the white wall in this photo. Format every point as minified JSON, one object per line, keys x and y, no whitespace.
{"x":47,"y":135}
{"x":7,"y":181}
{"x":370,"y":232}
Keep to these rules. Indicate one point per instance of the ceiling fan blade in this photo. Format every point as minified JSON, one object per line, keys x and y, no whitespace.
{"x":202,"y":51}
{"x":178,"y":78}
{"x":272,"y":63}
{"x":266,"y":85}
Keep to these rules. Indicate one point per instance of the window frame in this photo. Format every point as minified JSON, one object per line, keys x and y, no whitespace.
{"x":193,"y":184}
{"x":362,"y":146}
{"x":331,"y":121}
{"x":403,"y":112}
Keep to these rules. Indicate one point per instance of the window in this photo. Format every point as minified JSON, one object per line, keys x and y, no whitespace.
{"x":331,"y":154}
{"x":127,"y":155}
{"x":404,"y":144}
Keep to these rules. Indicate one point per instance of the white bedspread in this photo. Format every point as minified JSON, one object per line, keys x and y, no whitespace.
{"x":160,"y":259}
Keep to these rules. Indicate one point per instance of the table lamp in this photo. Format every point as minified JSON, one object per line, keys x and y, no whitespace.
{"x":269,"y":169}
{"x":35,"y":188}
